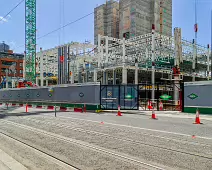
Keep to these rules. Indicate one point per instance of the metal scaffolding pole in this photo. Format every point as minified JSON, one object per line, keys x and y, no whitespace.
{"x":24,"y":65}
{"x":208,"y":64}
{"x":211,"y":44}
{"x":41,"y":67}
{"x":153,"y":62}
{"x":195,"y":43}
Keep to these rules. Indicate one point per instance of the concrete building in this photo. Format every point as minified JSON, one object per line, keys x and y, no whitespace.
{"x":137,"y":17}
{"x":106,"y":20}
{"x":131,"y":18}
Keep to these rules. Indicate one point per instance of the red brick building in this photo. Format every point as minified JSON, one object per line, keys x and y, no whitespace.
{"x":7,"y":59}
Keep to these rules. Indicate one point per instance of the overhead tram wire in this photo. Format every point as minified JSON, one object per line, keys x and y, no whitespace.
{"x":70,"y":23}
{"x":12,"y":10}
{"x":65,"y":25}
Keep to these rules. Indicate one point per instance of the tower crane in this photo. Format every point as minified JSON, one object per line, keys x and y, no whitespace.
{"x":30,"y":40}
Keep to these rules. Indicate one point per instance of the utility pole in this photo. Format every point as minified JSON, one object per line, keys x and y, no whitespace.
{"x":211,"y":44}
{"x":195,"y":43}
{"x":153,"y":63}
{"x":69,"y":64}
{"x":41,"y":67}
{"x":7,"y":71}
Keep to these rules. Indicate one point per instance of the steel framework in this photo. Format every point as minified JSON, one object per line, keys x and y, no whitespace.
{"x":30,"y":40}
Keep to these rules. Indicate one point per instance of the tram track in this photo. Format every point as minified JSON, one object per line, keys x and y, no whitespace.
{"x":134,"y":142}
{"x":54,"y":159}
{"x":122,"y":157}
{"x":179,"y":138}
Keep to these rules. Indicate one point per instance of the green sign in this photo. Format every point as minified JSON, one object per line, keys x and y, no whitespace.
{"x":192,"y":96}
{"x":128,"y":96}
{"x":165,"y":97}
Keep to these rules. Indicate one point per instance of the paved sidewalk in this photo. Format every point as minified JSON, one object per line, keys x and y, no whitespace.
{"x":8,"y":163}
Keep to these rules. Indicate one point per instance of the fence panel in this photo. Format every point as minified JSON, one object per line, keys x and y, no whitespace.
{"x":114,"y":95}
{"x":168,"y":97}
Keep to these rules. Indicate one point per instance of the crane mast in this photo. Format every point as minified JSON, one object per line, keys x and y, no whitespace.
{"x":30,"y":40}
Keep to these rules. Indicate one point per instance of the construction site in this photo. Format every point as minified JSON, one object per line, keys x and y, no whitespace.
{"x":146,"y":61}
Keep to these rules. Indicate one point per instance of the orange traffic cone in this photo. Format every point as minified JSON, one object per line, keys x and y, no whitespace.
{"x":161,"y":106}
{"x":153,"y":115}
{"x":119,"y":111}
{"x":197,"y":120}
{"x":150,"y":105}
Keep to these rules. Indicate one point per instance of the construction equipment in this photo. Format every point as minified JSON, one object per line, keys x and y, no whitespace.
{"x":30,"y":40}
{"x":25,"y":83}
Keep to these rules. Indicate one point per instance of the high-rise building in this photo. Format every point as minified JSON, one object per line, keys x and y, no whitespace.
{"x":137,"y":17}
{"x":130,"y":18}
{"x":4,"y":47}
{"x":106,"y":20}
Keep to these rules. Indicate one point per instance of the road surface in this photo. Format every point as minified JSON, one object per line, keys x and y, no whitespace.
{"x":39,"y":140}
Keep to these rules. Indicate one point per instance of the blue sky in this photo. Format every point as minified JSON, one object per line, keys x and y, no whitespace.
{"x":48,"y":19}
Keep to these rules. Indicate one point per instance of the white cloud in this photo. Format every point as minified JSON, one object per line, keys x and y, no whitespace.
{"x":2,"y":19}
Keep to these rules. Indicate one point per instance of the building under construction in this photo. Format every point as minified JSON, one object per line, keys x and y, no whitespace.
{"x":148,"y":61}
{"x":131,"y":18}
{"x":106,"y":20}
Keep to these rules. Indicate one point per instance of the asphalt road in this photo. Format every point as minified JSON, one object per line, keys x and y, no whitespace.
{"x":38,"y":140}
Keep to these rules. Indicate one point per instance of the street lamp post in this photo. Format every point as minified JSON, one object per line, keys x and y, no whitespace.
{"x":211,"y":44}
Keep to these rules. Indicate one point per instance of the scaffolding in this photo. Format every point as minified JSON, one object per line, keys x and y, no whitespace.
{"x":128,"y":61}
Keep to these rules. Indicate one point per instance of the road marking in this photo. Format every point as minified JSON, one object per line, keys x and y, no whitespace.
{"x":134,"y":127}
{"x":67,"y":126}
{"x":81,"y":143}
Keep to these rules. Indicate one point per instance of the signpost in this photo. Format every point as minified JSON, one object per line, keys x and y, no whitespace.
{"x":81,"y":95}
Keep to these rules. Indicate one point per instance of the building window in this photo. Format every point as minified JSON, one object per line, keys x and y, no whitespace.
{"x":21,"y":64}
{"x":21,"y":71}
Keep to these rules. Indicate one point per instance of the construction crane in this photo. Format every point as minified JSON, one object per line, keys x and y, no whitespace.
{"x":30,"y":40}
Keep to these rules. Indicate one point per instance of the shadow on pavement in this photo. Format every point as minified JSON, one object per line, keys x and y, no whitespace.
{"x":4,"y":112}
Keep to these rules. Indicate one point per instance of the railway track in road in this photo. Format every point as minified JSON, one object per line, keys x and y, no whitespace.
{"x":135,"y":142}
{"x":117,"y":155}
{"x":108,"y":125}
{"x":54,"y":159}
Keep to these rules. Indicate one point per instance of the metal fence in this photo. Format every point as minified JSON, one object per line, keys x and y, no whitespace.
{"x":111,"y":96}
{"x":164,"y":97}
{"x":138,"y":97}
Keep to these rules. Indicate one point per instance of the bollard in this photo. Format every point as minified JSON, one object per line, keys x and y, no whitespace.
{"x":55,"y":111}
{"x":85,"y":108}
{"x":26,"y":108}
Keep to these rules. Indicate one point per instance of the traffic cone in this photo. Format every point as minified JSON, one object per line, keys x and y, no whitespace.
{"x":150,"y":105}
{"x":153,"y":114}
{"x":197,"y":120}
{"x":119,"y":111}
{"x":161,"y":106}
